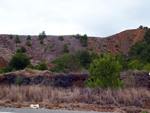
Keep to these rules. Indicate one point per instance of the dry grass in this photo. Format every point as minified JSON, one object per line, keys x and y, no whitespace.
{"x":35,"y":94}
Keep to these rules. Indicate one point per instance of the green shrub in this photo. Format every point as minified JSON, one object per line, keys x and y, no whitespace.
{"x":77,"y":36}
{"x":18,"y":51}
{"x":53,"y":49}
{"x":28,"y":37}
{"x":45,"y":49}
{"x":91,"y":49}
{"x":19,"y":80}
{"x":67,"y":63}
{"x":147,"y":67}
{"x":42,"y":35}
{"x":94,"y":56}
{"x":84,"y":40}
{"x":23,"y":49}
{"x":104,"y":45}
{"x":61,"y":38}
{"x":28,"y":43}
{"x":5,"y":69}
{"x":41,"y":41}
{"x":19,"y":61}
{"x":65,"y":48}
{"x":42,"y":66}
{"x":147,"y":36}
{"x":105,"y":73}
{"x":116,"y":45}
{"x":84,"y":58}
{"x":17,"y":39}
{"x":10,"y":37}
{"x":135,"y":65}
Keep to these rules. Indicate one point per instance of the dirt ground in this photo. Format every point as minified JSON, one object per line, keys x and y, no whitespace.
{"x":79,"y":107}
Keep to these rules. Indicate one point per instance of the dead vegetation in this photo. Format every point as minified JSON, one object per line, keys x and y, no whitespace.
{"x":25,"y":95}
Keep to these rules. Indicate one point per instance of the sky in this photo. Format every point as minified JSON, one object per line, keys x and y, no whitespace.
{"x":98,"y":18}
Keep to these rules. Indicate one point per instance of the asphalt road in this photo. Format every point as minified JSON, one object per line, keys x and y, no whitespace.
{"x":14,"y":110}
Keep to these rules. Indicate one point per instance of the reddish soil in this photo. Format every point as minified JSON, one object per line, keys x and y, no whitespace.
{"x":3,"y":63}
{"x":124,"y":40}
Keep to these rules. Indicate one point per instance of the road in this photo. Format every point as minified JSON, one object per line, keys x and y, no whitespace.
{"x":14,"y":110}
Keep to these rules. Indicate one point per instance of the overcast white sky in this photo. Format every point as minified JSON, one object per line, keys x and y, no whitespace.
{"x":64,"y":17}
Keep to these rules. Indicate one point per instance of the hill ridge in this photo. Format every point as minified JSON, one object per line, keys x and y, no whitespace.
{"x":52,"y":47}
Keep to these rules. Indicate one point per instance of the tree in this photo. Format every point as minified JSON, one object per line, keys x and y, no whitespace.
{"x":147,"y":36}
{"x":84,"y":40}
{"x":141,"y":27}
{"x":42,"y":35}
{"x":105,"y":73}
{"x":28,"y":43}
{"x":67,"y":63}
{"x":135,"y":64}
{"x":42,"y":66}
{"x":84,"y":58}
{"x":10,"y":37}
{"x":19,"y":61}
{"x":23,"y":49}
{"x":147,"y":67}
{"x":28,"y":37}
{"x":94,"y":56}
{"x":17,"y":39}
{"x":61,"y":38}
{"x":65,"y":48}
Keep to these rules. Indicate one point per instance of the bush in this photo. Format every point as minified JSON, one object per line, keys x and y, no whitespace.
{"x":42,"y":35}
{"x":28,"y":37}
{"x":147,"y":67}
{"x":116,"y":45}
{"x":19,"y":61}
{"x":67,"y":63}
{"x":65,"y":48}
{"x":135,"y":65}
{"x":5,"y":69}
{"x":104,"y":45}
{"x":19,"y":80}
{"x":84,"y":40}
{"x":105,"y":73}
{"x":41,"y":41}
{"x":28,"y":43}
{"x":23,"y":49}
{"x":147,"y":36}
{"x":10,"y":37}
{"x":84,"y":58}
{"x":17,"y":39}
{"x":61,"y":38}
{"x":42,"y":66}
{"x":18,"y":51}
{"x":77,"y":36}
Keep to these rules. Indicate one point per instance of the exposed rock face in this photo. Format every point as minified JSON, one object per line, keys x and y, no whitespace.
{"x":136,"y":79}
{"x":46,"y":78}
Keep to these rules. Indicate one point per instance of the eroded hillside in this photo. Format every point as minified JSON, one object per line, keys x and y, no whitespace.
{"x":53,"y":47}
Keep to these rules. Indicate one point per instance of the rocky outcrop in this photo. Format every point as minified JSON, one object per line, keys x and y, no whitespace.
{"x":46,"y":78}
{"x":136,"y":79}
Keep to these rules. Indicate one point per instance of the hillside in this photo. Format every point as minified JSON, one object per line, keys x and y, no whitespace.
{"x":52,"y":47}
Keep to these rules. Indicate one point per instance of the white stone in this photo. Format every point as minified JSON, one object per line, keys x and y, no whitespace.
{"x":35,"y":106}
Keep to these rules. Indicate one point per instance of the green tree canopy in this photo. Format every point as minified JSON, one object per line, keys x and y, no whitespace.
{"x":65,"y":48}
{"x":105,"y":73}
{"x":19,"y":61}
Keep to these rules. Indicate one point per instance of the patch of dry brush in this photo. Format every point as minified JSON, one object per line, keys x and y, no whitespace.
{"x":35,"y":94}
